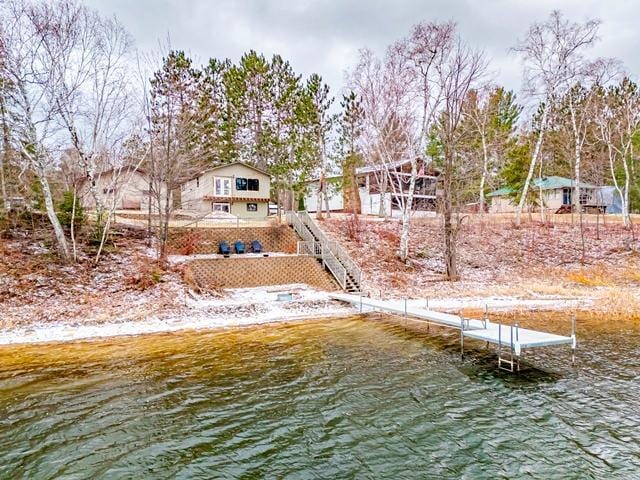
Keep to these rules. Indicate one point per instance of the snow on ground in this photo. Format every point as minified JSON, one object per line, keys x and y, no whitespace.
{"x":251,"y":306}
{"x":240,"y":307}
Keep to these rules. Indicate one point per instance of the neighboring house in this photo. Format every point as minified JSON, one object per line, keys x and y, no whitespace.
{"x":235,"y":188}
{"x":127,"y":187}
{"x":611,"y":199}
{"x":557,"y":195}
{"x":370,"y":190}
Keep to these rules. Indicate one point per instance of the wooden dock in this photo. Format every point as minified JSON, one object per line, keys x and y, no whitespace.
{"x":511,"y":340}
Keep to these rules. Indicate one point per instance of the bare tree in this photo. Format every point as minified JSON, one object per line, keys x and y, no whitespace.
{"x":552,"y":52}
{"x":401,"y":98}
{"x":461,"y":70}
{"x":36,"y":37}
{"x":618,"y":121}
{"x":98,"y":115}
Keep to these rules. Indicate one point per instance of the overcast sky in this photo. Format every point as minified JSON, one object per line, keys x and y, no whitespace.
{"x":324,"y":36}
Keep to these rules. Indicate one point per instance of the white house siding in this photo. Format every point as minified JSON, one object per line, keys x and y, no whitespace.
{"x":552,"y":198}
{"x":336,"y":200}
{"x":199,"y":194}
{"x":130,"y":191}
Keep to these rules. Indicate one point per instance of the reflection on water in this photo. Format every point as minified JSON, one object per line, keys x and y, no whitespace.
{"x":347,"y":398}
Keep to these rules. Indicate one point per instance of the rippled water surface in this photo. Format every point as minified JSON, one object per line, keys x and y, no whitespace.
{"x":334,"y":399}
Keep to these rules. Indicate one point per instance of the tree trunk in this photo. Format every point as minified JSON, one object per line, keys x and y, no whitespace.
{"x":326,"y":202}
{"x":450,"y":253}
{"x":382,"y":209}
{"x":319,"y":197}
{"x":577,"y":158}
{"x":626,"y":210}
{"x":406,"y":213}
{"x":4,"y":158}
{"x":483,"y":179}
{"x":624,"y":195}
{"x":73,"y":223}
{"x":532,"y":165}
{"x":61,"y":240}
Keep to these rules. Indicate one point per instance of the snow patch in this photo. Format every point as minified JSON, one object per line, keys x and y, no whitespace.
{"x":241,"y":307}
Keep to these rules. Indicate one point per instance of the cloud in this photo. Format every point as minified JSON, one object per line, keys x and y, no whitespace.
{"x":324,"y":37}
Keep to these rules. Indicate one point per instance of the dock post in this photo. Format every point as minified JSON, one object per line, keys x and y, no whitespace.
{"x":461,"y":336}
{"x":360,"y":302}
{"x":573,"y":338}
{"x":405,"y":306}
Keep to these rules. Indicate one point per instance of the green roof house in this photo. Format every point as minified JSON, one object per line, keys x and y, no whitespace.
{"x":557,"y":195}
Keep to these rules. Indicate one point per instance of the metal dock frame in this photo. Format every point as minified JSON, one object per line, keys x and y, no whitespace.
{"x":509,"y":348}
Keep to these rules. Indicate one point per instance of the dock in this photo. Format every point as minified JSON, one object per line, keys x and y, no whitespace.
{"x":511,"y":340}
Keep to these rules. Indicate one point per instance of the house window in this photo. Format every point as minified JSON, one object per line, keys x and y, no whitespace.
{"x":220,"y":207}
{"x":252,"y":207}
{"x":108,"y":190}
{"x":253,"y":184}
{"x":197,"y":182}
{"x":241,"y":183}
{"x":222,"y":186}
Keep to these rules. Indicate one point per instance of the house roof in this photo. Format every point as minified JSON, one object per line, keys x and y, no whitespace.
{"x":217,"y":167}
{"x":126,"y":169}
{"x":545,"y":183}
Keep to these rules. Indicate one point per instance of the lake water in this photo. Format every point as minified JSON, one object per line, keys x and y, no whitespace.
{"x":330,"y":399}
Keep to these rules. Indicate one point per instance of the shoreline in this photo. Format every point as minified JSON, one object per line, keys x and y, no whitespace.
{"x":256,"y":306}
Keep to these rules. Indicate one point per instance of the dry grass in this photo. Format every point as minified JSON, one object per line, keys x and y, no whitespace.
{"x":601,"y":275}
{"x":623,"y":303}
{"x":632,"y":273}
{"x":149,"y":274}
{"x":591,"y":277}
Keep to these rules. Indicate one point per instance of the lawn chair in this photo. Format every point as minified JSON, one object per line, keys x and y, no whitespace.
{"x":239,"y":246}
{"x":256,"y":246}
{"x":224,"y":248}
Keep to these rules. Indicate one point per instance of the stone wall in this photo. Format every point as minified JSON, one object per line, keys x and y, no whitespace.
{"x":278,"y":238}
{"x":246,"y":272}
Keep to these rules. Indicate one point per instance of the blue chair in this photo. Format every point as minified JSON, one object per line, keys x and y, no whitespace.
{"x":256,"y":247}
{"x":239,"y":246}
{"x":224,"y":248}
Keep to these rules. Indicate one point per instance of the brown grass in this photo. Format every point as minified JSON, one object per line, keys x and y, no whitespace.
{"x":149,"y":274}
{"x":592,"y":277}
{"x":623,"y":303}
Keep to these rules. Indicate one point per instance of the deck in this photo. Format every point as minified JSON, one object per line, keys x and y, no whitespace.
{"x":511,"y":337}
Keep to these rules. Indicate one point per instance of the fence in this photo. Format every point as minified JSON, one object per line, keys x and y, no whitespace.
{"x":533,"y":217}
{"x":181,"y":220}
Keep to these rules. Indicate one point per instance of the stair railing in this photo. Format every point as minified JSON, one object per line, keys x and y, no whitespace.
{"x":310,"y":248}
{"x":299,"y":227}
{"x":338,"y":250}
{"x":330,"y":261}
{"x":316,"y":243}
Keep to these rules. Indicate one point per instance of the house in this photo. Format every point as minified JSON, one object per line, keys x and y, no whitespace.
{"x":125,"y":188}
{"x":557,"y":195}
{"x":236,"y":188}
{"x":372,"y":191}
